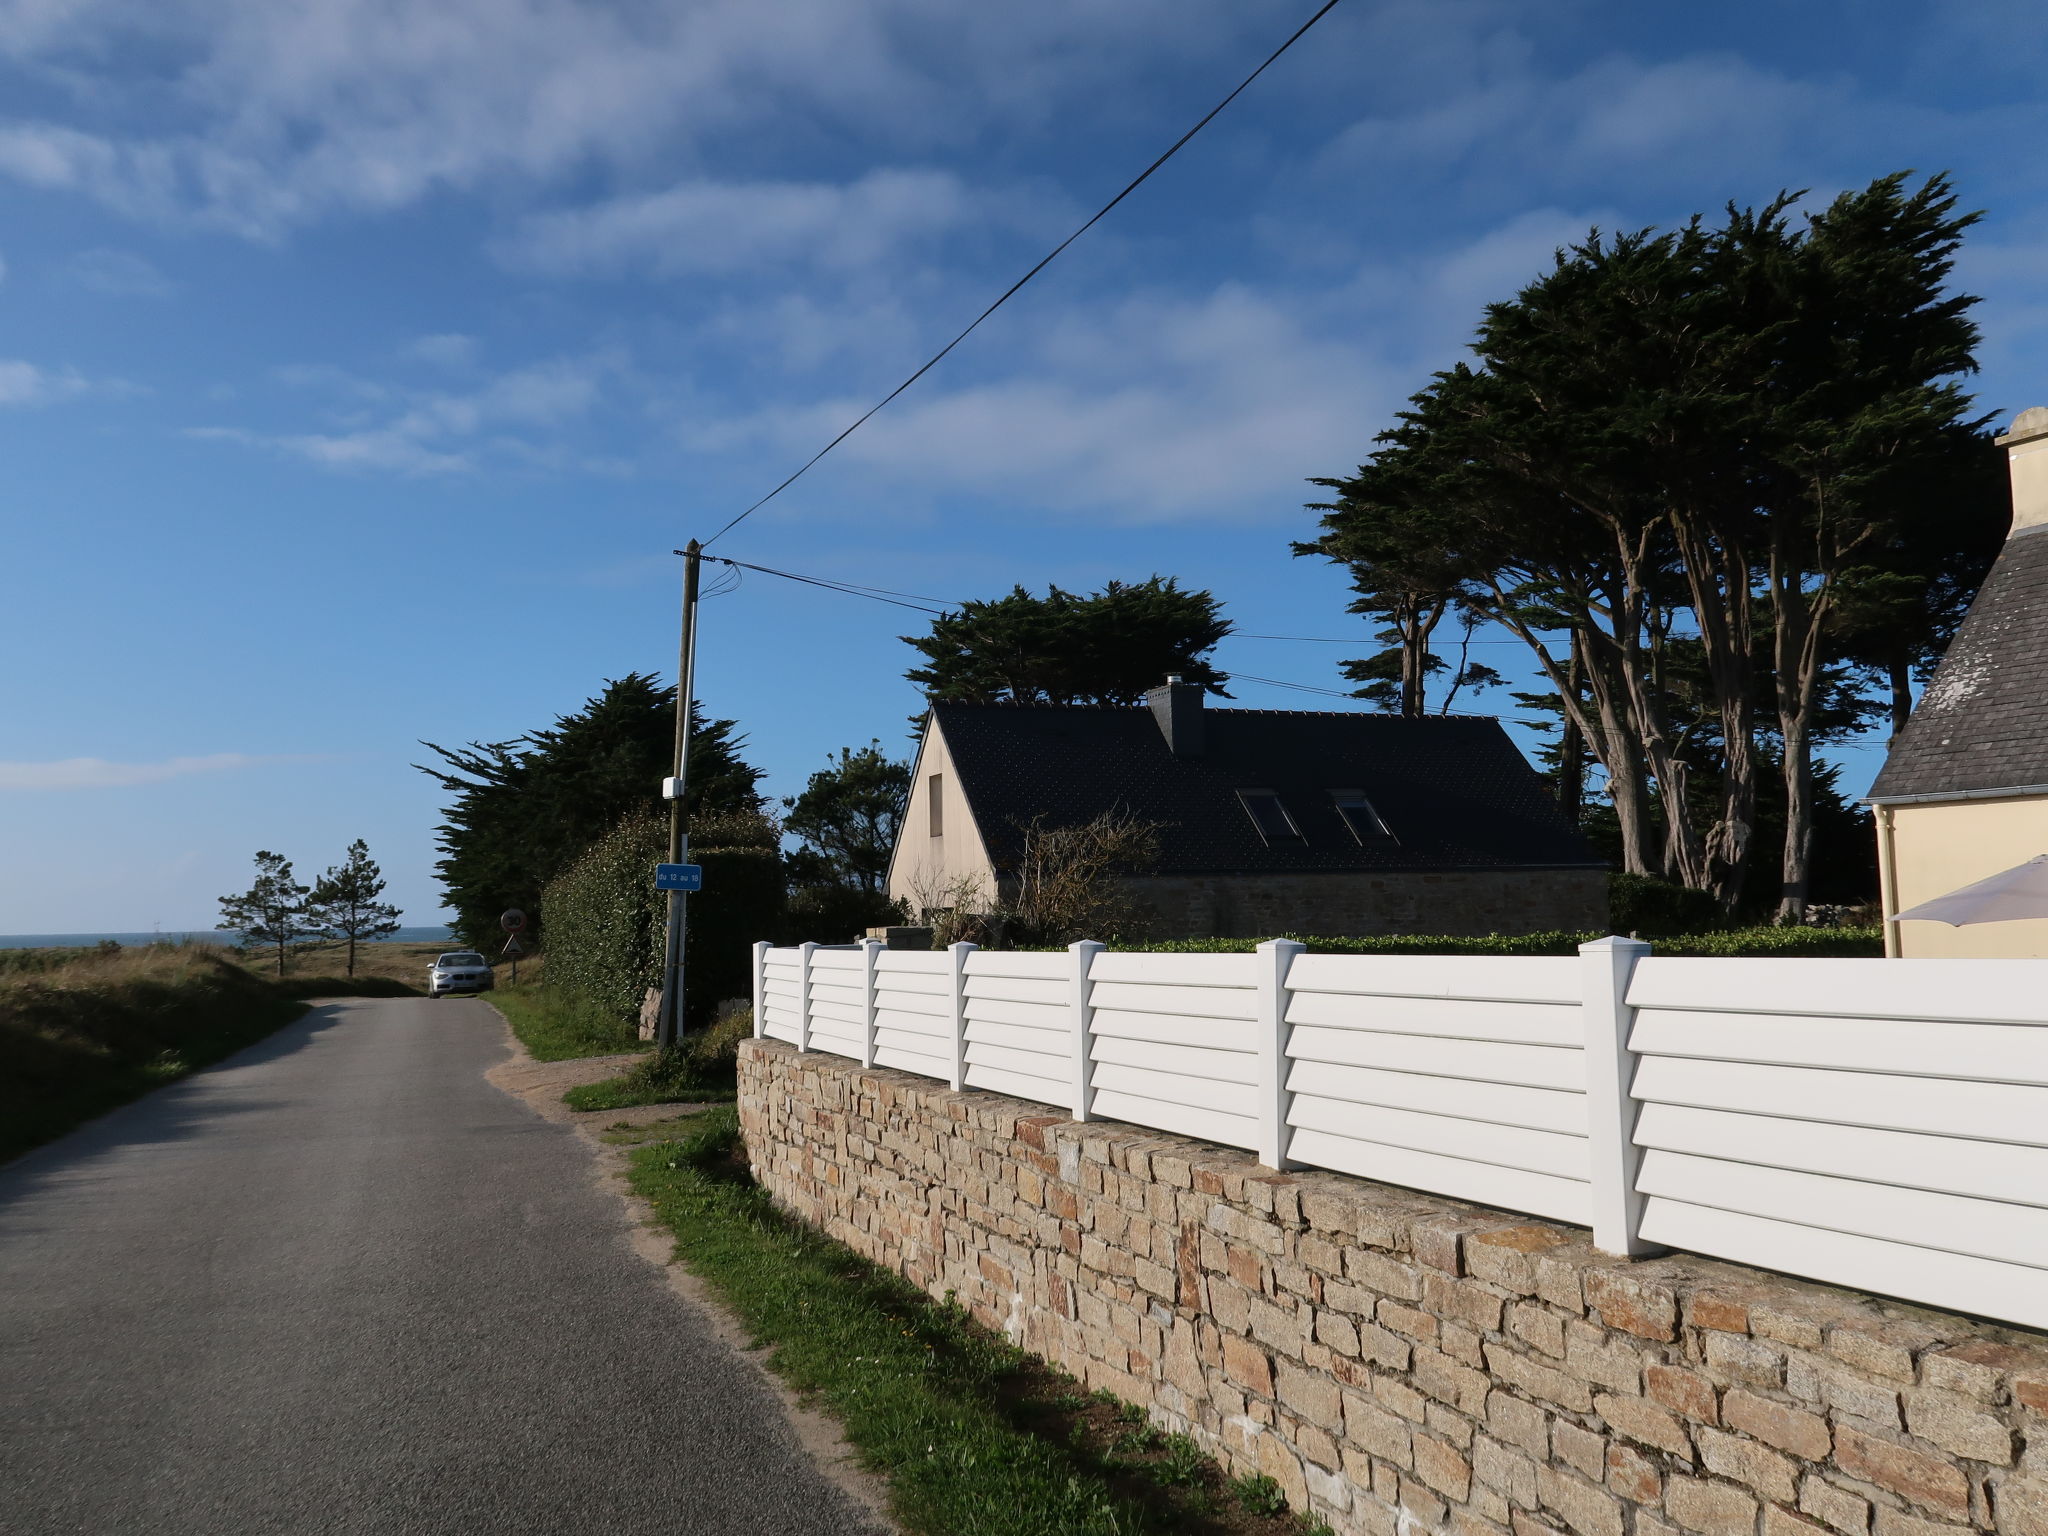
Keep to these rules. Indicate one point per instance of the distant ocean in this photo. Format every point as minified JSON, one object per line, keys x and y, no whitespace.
{"x":435,"y":934}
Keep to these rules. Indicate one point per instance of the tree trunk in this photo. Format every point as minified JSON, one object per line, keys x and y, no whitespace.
{"x":1571,"y":749}
{"x":1899,"y":673}
{"x":1798,"y":862}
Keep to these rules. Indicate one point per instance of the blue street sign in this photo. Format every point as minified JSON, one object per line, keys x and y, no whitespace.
{"x":679,"y":877}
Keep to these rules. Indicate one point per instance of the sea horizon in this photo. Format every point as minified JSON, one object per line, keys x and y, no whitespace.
{"x":430,"y":933}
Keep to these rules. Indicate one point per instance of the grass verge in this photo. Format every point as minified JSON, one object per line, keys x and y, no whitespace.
{"x":100,"y":1028}
{"x":557,"y":1026}
{"x":704,"y":1069}
{"x":971,"y":1434}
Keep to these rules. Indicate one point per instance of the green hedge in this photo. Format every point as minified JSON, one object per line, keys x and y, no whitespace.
{"x":605,"y":922}
{"x":1841,"y":943}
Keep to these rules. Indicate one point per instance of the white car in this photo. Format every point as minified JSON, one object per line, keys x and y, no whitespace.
{"x":460,"y":970}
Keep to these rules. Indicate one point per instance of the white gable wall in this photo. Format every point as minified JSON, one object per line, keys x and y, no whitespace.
{"x":952,"y":868}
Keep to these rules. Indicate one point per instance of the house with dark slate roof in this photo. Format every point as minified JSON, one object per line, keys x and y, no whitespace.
{"x":1269,"y":821}
{"x":1964,"y":790}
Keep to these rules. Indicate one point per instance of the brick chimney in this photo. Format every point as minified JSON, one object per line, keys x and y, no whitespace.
{"x":1178,"y":706}
{"x":2026,"y":458}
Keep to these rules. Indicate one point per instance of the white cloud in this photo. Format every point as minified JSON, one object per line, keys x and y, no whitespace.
{"x":725,"y":227}
{"x":122,"y":274}
{"x":427,"y":432}
{"x":448,"y":350}
{"x":27,"y":384}
{"x":99,"y":773}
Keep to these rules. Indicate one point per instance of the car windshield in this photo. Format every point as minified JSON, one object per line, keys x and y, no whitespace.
{"x":461,"y":957}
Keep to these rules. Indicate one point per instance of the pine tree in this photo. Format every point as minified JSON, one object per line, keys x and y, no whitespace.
{"x":344,"y":904}
{"x":273,"y":911}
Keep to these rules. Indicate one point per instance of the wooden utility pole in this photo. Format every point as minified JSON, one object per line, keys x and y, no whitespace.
{"x":669,"y":1026}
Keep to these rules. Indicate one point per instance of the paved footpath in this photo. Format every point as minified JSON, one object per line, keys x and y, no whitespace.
{"x":340,"y":1283}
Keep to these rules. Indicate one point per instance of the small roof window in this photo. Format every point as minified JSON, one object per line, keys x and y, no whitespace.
{"x":1360,"y":817}
{"x":1269,"y":816}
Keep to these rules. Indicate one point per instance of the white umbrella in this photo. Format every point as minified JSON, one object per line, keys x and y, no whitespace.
{"x":2005,"y":897}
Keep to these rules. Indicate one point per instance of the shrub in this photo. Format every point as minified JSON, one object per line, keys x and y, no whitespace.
{"x":1647,"y":905}
{"x":1812,"y":943}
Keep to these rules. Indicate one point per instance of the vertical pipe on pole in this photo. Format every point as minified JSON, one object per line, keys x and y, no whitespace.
{"x":1275,"y":958}
{"x":803,"y":995}
{"x":870,"y":956}
{"x":761,"y":989}
{"x":669,"y":1024}
{"x":1080,"y":1005}
{"x":1610,"y":1110}
{"x":956,"y":988}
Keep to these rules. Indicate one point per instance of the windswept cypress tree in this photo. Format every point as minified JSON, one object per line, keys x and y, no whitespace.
{"x":523,"y":810}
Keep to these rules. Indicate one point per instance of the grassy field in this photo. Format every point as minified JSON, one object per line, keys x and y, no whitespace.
{"x":971,"y":1434}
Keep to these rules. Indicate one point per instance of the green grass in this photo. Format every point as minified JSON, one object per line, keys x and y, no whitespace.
{"x":81,"y":1037}
{"x":665,"y":1077}
{"x":558,"y":1026}
{"x":971,"y":1434}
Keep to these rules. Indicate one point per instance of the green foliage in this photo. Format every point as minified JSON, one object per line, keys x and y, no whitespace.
{"x":344,"y":906}
{"x":1259,"y":1495}
{"x":522,"y":811}
{"x":1063,"y":648}
{"x":81,"y":1037}
{"x":1844,"y":943}
{"x":847,"y":818}
{"x":606,"y":923}
{"x":703,"y":1069}
{"x":272,"y":913}
{"x":1647,"y":905}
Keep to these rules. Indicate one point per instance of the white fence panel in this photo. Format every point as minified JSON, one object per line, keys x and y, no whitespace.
{"x":1878,"y":1124}
{"x":1463,"y":1075}
{"x":1869,"y":1122}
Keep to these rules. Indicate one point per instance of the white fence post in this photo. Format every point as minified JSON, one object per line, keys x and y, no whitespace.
{"x":761,"y":989}
{"x":803,"y":995}
{"x":1610,"y":1111}
{"x":1275,"y":957}
{"x":870,"y":951}
{"x":1083,"y":1010}
{"x":956,"y":989}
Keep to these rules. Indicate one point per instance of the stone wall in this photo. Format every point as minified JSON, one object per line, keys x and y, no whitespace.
{"x":1404,"y":1363}
{"x":1458,"y":901}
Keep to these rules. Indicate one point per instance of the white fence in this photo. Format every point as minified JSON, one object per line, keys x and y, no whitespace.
{"x":1880,"y":1124}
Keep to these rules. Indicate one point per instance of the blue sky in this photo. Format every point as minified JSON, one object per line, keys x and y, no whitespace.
{"x":361,"y":362}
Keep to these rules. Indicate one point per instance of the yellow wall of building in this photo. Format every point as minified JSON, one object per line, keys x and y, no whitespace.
{"x":951,"y":869}
{"x":1933,"y":848}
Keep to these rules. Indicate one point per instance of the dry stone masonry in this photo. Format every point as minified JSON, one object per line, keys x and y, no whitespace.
{"x":1402,"y":1363}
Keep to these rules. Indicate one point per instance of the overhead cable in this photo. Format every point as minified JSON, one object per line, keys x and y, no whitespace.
{"x":1046,"y":261}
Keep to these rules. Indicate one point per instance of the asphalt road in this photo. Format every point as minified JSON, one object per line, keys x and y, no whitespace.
{"x":342,"y":1284}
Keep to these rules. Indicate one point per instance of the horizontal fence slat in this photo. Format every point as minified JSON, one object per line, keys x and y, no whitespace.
{"x":2007,"y":1053}
{"x":1016,"y":989}
{"x":998,"y":962}
{"x":824,"y":1014}
{"x":835,"y":1043}
{"x":1989,"y":1170}
{"x":1509,"y":978}
{"x":903,"y":1060}
{"x":1509,"y":1146}
{"x":911,"y":1026}
{"x":1215,"y":1034}
{"x":1182,"y":1119}
{"x":1030,"y":1015}
{"x":1028,"y":1063}
{"x":922,"y":1003}
{"x":2013,"y":1292}
{"x":836,"y":960}
{"x":1181,"y":1002}
{"x":1176,"y":1087}
{"x":1937,"y":1106}
{"x":1987,"y":991}
{"x":905,"y":984}
{"x":775,"y":986}
{"x":913,"y":962}
{"x":1539,"y":1194}
{"x":1189,"y":1060}
{"x":1176,"y":970}
{"x":1984,"y":1229}
{"x":1541,"y":1109}
{"x":1529,"y":1066}
{"x":1447,"y":1017}
{"x":1018,"y":1085}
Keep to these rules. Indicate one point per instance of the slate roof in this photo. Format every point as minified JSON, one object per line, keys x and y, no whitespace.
{"x":1983,"y":722}
{"x":1455,"y":792}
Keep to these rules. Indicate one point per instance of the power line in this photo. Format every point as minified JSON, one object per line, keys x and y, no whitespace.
{"x":1274,"y":682}
{"x":1137,"y":182}
{"x":1357,"y":640}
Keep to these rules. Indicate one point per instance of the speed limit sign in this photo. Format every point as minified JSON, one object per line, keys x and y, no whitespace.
{"x":513,"y":920}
